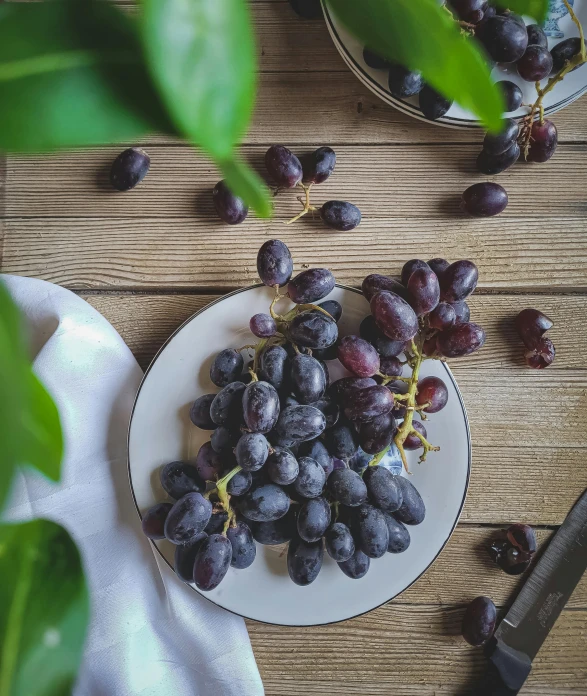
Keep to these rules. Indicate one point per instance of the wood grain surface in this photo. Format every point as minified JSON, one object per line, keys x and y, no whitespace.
{"x":148,"y":259}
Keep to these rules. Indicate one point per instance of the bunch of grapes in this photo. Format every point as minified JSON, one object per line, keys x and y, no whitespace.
{"x":295,"y":459}
{"x":286,"y":171}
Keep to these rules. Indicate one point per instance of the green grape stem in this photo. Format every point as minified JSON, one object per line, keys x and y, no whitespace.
{"x":305,"y":203}
{"x":224,"y":498}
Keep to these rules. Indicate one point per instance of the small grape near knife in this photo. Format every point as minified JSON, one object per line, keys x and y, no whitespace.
{"x":527,"y":624}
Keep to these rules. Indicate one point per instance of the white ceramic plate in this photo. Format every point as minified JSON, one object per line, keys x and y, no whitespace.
{"x":161,"y":431}
{"x":558,"y":26}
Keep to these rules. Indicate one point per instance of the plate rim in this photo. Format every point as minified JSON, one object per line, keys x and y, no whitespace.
{"x":406,"y":107}
{"x":202,"y":594}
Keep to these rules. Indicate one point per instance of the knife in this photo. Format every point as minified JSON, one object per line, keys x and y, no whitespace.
{"x":527,"y":624}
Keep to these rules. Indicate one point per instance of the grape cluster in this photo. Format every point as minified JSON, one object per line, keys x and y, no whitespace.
{"x":531,"y":325}
{"x":293,"y":458}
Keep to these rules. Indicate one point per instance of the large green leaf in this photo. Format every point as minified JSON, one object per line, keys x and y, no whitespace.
{"x":72,"y":74}
{"x":202,"y":56}
{"x":537,"y":9}
{"x":30,"y":431}
{"x":422,"y":35}
{"x":44,"y":610}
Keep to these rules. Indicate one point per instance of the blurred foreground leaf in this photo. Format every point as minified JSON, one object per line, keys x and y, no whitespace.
{"x":72,"y":74}
{"x":421,"y":35}
{"x":44,"y":610}
{"x":538,"y":9}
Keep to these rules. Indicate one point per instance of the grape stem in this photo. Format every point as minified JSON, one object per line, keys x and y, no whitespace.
{"x":224,"y":498}
{"x":537,"y":109}
{"x":305,"y":203}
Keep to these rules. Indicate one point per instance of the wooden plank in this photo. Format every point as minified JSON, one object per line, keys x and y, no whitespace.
{"x":406,"y":650}
{"x":145,"y":322}
{"x":533,"y":253}
{"x":400,"y":182}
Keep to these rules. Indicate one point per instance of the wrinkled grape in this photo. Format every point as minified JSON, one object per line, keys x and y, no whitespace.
{"x":212,"y":562}
{"x":399,"y":537}
{"x":459,"y":281}
{"x":187,"y":518}
{"x":375,"y":282}
{"x":535,"y":64}
{"x":371,"y":530}
{"x":300,"y":423}
{"x":129,"y":169}
{"x":277,"y":531}
{"x":200,"y":412}
{"x":310,"y":286}
{"x":394,"y":316}
{"x":463,"y":313}
{"x":432,"y":104}
{"x":313,"y":519}
{"x":154,"y":520}
{"x":536,"y":36}
{"x":512,"y":95}
{"x":424,"y":290}
{"x":403,"y":82}
{"x":531,"y":324}
{"x":339,"y":542}
{"x":318,"y":165}
{"x":209,"y":464}
{"x":274,"y":263}
{"x":240,"y":483}
{"x":229,"y":207}
{"x":460,"y":340}
{"x":313,"y":330}
{"x":412,"y":441}
{"x":274,"y":366}
{"x":317,"y":451}
{"x":504,"y":38}
{"x":412,"y":510}
{"x":484,"y":199}
{"x":226,"y":367}
{"x":283,"y":166}
{"x":185,"y":557}
{"x":304,"y":560}
{"x":228,"y":403}
{"x":260,"y":406}
{"x":383,"y":489}
{"x":366,"y":404}
{"x":347,"y":487}
{"x":264,"y":503}
{"x":180,"y":478}
{"x":432,"y":391}
{"x":356,"y":566}
{"x":341,"y":440}
{"x":373,"y":60}
{"x":311,"y":478}
{"x":542,"y":356}
{"x":252,"y":451}
{"x":479,"y":621}
{"x":494,"y":164}
{"x":543,"y":141}
{"x":442,"y":316}
{"x":377,"y":434}
{"x":340,"y":215}
{"x":243,"y":545}
{"x":496,"y":144}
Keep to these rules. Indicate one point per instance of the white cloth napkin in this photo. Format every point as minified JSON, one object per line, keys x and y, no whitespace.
{"x":149,"y":634}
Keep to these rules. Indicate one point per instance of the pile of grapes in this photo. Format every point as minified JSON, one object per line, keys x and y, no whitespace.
{"x":294,"y":458}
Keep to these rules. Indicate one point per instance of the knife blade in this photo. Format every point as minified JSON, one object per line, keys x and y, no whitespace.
{"x":525,"y":627}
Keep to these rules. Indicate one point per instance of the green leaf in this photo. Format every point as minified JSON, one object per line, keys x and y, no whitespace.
{"x":72,"y":74}
{"x":44,"y":610}
{"x":538,"y":9}
{"x":421,"y":35}
{"x":30,"y":431}
{"x":243,"y":182}
{"x":202,"y":56}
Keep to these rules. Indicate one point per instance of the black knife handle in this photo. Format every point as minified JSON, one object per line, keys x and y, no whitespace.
{"x":508,"y":670}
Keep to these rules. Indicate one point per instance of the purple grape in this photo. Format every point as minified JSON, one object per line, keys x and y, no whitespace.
{"x":242,"y":544}
{"x":479,"y":621}
{"x":263,"y":325}
{"x":240,"y":483}
{"x":200,"y":412}
{"x":307,"y":379}
{"x":403,"y":82}
{"x":274,"y":366}
{"x":463,"y":313}
{"x":536,"y":36}
{"x":216,"y":522}
{"x":260,"y":407}
{"x":313,"y":519}
{"x":543,"y":141}
{"x":408,"y":268}
{"x":229,"y":208}
{"x":424,"y":290}
{"x":413,"y":442}
{"x":317,"y":451}
{"x":154,"y":520}
{"x":470,"y":11}
{"x":442,"y":316}
{"x":512,"y":95}
{"x":129,"y":169}
{"x":366,"y":404}
{"x":311,"y":285}
{"x":313,"y":330}
{"x":264,"y":503}
{"x":282,"y":466}
{"x":460,"y":340}
{"x":374,"y":61}
{"x":304,"y":561}
{"x":531,"y":324}
{"x":391,"y":367}
{"x":358,"y":356}
{"x":274,"y":263}
{"x":347,"y":487}
{"x":565,"y":51}
{"x":180,"y":478}
{"x":341,"y":440}
{"x":277,"y":531}
{"x":432,"y":104}
{"x":228,"y":404}
{"x":439,"y":266}
{"x":371,"y":530}
{"x":433,"y":391}
{"x":412,"y":510}
{"x":252,"y":451}
{"x":459,"y":281}
{"x":375,"y":282}
{"x":340,"y":215}
{"x":311,"y":478}
{"x":212,"y":562}
{"x":283,"y":166}
{"x":484,"y":199}
{"x":535,"y":64}
{"x":185,"y":557}
{"x":383,"y":489}
{"x":227,"y":367}
{"x":495,"y":164}
{"x":497,"y":144}
{"x":542,"y":356}
{"x":300,"y":423}
{"x":187,"y":518}
{"x":357,"y":566}
{"x":342,"y":388}
{"x":209,"y":464}
{"x":318,"y":165}
{"x":394,"y":316}
{"x":333,"y":308}
{"x":375,"y":435}
{"x":504,"y":38}
{"x":339,"y":542}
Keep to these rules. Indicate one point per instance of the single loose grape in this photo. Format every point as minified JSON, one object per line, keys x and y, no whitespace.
{"x":484,"y":199}
{"x":432,"y":104}
{"x":318,"y":165}
{"x":129,"y":169}
{"x":274,"y":263}
{"x":283,"y":166}
{"x":479,"y":621}
{"x":340,"y":215}
{"x":229,"y":207}
{"x":531,"y":324}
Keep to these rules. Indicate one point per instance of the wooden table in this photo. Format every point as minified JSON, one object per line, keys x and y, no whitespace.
{"x":149,"y":258}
